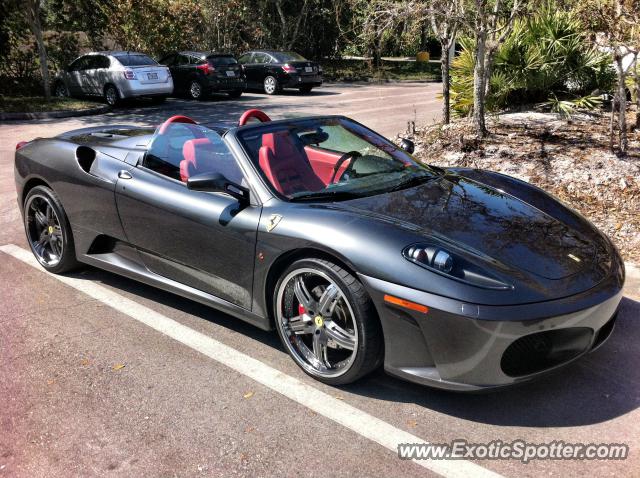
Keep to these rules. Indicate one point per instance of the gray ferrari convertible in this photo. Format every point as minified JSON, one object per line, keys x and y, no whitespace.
{"x":356,"y":253}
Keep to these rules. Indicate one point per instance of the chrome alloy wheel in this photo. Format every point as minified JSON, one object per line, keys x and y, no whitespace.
{"x":44,"y":231}
{"x":195,"y":90}
{"x":318,"y":323}
{"x":270,"y":85}
{"x":111,"y":95}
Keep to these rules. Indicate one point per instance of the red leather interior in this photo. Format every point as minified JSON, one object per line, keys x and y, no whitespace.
{"x":175,"y":119}
{"x":199,"y":157}
{"x":287,"y":166}
{"x":254,"y":113}
{"x":323,"y":161}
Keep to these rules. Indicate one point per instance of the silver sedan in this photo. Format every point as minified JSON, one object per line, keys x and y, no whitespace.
{"x":115,"y":75}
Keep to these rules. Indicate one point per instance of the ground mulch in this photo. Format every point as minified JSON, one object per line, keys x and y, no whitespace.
{"x":570,"y":158}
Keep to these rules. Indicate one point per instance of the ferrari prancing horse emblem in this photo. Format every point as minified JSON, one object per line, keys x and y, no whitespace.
{"x":274,"y":220}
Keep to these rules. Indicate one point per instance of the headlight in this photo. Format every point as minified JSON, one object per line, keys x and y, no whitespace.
{"x":443,"y":262}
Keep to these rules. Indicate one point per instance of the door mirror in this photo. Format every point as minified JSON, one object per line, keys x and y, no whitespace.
{"x":217,"y":183}
{"x":407,"y":145}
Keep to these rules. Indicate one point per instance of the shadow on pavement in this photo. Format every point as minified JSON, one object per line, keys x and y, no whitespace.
{"x":598,"y":387}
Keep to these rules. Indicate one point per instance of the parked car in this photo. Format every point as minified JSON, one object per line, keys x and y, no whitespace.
{"x":197,"y":73}
{"x":115,"y":75}
{"x":271,"y":71}
{"x":355,"y":252}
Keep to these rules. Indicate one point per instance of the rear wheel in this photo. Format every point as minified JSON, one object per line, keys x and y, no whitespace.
{"x":111,"y":95}
{"x":327,"y":322}
{"x":60,"y":90}
{"x":271,"y":85}
{"x":306,"y":89}
{"x":235,"y":94}
{"x":196,"y":90}
{"x":48,"y":231}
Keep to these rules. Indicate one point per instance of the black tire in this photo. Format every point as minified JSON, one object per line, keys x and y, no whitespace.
{"x":111,"y":95}
{"x":369,"y":349}
{"x":235,"y":94}
{"x":271,"y":85}
{"x":306,"y":89}
{"x":60,"y":90}
{"x":67,"y":259}
{"x":196,"y":90}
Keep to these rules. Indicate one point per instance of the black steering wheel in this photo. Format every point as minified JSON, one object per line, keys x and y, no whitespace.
{"x":353,"y":156}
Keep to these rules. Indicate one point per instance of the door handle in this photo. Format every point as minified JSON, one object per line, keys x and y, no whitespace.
{"x":124,"y":174}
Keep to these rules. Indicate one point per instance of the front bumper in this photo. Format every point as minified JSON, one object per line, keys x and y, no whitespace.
{"x":467,"y":347}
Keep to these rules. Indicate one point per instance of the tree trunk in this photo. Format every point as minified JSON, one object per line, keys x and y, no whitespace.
{"x":446,"y":83}
{"x":479,"y":87}
{"x":636,"y":77}
{"x":36,"y":28}
{"x":622,"y":106}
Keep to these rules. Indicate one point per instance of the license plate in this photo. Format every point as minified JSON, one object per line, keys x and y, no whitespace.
{"x":308,"y":69}
{"x":231,"y":73}
{"x":152,"y":76}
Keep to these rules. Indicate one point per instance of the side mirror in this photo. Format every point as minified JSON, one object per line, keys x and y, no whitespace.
{"x":217,"y":183}
{"x":407,"y":145}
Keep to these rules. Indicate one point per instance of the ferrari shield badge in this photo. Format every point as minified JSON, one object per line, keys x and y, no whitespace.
{"x":274,"y":220}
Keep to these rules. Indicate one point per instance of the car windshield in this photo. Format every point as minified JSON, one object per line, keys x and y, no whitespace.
{"x":329,"y":159}
{"x":289,"y":56}
{"x":135,"y":59}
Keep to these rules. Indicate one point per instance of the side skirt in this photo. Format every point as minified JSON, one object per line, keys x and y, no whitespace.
{"x":123,"y":266}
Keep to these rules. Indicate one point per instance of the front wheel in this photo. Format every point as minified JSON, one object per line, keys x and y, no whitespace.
{"x":327,"y":322}
{"x":48,"y":231}
{"x":271,"y":85}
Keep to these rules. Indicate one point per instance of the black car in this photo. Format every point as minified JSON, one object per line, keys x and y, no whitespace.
{"x":356,"y":253}
{"x":271,"y":71}
{"x":197,"y":74}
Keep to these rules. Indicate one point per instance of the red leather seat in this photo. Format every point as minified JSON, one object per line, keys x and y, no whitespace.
{"x":199,"y":157}
{"x":287,"y":166}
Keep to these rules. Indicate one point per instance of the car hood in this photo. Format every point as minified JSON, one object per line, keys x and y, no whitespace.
{"x":487,"y":222}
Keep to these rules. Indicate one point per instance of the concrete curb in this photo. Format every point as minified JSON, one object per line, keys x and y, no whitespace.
{"x":54,"y":114}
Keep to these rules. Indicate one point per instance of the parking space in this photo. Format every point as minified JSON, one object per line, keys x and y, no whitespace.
{"x":105,"y":376}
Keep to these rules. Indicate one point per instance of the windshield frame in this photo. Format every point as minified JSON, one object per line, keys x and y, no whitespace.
{"x":239,"y":132}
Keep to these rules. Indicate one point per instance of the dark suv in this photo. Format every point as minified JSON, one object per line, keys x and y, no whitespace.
{"x":197,"y":73}
{"x":271,"y":71}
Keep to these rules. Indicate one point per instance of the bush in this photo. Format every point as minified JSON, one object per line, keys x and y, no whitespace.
{"x":546,"y":58}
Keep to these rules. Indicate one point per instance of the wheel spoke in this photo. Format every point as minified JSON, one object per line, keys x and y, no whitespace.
{"x":301,"y":324}
{"x":49,"y":214}
{"x":344,"y":339}
{"x":40,"y":218}
{"x":304,"y":296}
{"x":320,"y":348}
{"x":329,"y":300}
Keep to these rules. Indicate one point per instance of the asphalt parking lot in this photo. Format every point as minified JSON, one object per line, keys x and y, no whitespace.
{"x":102,"y":376}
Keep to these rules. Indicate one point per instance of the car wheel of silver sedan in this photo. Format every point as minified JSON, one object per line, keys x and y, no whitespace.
{"x":111,"y":95}
{"x":271,"y":86}
{"x":327,"y":322}
{"x":61,"y":90}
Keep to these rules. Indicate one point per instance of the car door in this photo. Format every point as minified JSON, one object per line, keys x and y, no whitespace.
{"x":74,"y":76}
{"x":170,"y":62}
{"x":251,"y":69}
{"x":203,"y":240}
{"x":100,"y":75}
{"x":182,"y":69}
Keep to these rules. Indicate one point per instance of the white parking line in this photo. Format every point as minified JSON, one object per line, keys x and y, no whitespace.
{"x":340,"y":412}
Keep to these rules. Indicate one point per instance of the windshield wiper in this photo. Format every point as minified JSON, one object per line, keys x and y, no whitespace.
{"x":328,"y":195}
{"x":412,"y":181}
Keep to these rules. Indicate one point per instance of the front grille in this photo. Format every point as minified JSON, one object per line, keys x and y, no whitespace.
{"x":543,"y":350}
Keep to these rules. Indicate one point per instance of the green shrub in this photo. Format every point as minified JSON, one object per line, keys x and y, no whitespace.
{"x":546,"y":59}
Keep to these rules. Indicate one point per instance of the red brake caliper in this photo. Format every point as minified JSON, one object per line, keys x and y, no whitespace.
{"x":301,"y":309}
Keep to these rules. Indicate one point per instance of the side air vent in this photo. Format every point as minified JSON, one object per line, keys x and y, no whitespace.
{"x":85,"y":156}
